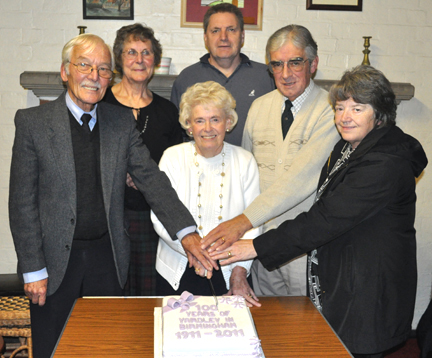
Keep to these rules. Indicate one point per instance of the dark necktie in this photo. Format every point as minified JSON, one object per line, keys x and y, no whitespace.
{"x":287,"y":118}
{"x":86,"y":119}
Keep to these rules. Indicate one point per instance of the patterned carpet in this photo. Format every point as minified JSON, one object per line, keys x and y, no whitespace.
{"x":409,"y":350}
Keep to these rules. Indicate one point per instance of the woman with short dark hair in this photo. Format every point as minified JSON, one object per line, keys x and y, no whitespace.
{"x":365,"y":84}
{"x":360,"y":235}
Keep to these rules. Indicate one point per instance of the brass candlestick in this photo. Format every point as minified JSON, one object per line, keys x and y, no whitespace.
{"x":366,"y":51}
{"x":81,"y":29}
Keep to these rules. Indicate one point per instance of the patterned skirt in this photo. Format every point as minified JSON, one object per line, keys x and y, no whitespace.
{"x":144,"y":241}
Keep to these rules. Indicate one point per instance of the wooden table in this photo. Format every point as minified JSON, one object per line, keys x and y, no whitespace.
{"x":123,"y":327}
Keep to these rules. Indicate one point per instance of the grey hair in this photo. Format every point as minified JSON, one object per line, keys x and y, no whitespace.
{"x":298,"y":35}
{"x":88,"y":42}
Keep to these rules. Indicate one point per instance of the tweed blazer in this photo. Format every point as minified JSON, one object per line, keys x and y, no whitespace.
{"x":42,"y":194}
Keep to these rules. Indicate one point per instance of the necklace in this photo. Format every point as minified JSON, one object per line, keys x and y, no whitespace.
{"x":196,"y":163}
{"x":138,"y":110}
{"x":145,"y":126}
{"x":346,"y":151}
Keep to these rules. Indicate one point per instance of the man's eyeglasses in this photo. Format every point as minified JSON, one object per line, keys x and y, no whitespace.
{"x":133,"y":54}
{"x":87,"y":69}
{"x":295,"y":65}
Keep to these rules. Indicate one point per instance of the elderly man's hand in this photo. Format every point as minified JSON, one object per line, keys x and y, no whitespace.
{"x":36,"y":291}
{"x":226,"y":233}
{"x":198,"y":258}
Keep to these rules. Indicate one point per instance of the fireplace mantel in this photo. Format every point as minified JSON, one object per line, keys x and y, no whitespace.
{"x":50,"y":84}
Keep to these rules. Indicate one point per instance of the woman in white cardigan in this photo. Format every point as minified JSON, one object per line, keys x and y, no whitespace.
{"x":216,"y":181}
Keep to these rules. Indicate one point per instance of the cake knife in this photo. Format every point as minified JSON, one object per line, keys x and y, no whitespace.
{"x":214,"y":293}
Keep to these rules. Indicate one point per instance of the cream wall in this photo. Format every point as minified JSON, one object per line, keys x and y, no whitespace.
{"x":32,"y":33}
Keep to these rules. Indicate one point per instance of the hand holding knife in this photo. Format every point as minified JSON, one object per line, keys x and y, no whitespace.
{"x":213,"y":292}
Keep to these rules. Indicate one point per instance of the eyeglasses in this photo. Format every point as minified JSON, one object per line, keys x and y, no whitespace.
{"x":295,"y":65}
{"x":133,"y":54}
{"x":87,"y":69}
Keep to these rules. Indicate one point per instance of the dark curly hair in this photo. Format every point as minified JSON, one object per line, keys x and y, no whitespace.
{"x":135,"y":32}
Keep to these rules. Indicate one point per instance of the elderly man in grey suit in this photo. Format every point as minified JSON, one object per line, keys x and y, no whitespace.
{"x":69,"y":165}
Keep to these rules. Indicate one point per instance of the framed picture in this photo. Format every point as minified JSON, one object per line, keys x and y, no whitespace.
{"x":193,"y":11}
{"x":108,"y":9}
{"x":344,"y":5}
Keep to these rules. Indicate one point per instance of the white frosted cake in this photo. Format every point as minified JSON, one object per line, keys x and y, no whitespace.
{"x":195,"y":327}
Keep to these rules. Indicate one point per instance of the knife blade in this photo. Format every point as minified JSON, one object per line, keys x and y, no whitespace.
{"x":213,"y":292}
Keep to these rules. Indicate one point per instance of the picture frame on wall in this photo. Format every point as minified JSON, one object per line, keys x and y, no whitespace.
{"x":338,"y":5}
{"x":193,"y":11}
{"x":108,"y":9}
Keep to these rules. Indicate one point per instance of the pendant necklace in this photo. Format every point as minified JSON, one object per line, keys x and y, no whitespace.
{"x":138,"y":111}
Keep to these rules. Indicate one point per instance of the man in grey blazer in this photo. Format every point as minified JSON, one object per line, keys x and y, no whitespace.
{"x":69,"y":164}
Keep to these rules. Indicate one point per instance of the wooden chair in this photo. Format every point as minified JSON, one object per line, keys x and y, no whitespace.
{"x":2,"y":344}
{"x":15,"y":322}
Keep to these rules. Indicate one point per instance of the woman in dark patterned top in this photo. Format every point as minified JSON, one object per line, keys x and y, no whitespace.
{"x":136,"y":53}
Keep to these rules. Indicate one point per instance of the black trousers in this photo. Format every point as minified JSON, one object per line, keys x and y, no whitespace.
{"x":90,"y":272}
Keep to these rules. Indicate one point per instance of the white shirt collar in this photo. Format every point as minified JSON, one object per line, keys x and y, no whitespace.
{"x":77,"y":112}
{"x":298,"y":102}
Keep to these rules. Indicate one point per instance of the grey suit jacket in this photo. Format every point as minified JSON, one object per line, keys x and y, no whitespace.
{"x":42,"y":194}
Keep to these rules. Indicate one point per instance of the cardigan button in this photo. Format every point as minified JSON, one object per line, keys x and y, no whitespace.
{"x":72,"y":221}
{"x":67,"y":247}
{"x":280,"y":161}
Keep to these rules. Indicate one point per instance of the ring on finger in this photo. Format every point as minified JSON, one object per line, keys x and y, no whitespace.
{"x":197,"y":269}
{"x":229,"y":254}
{"x":223,"y":239}
{"x":205,"y":273}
